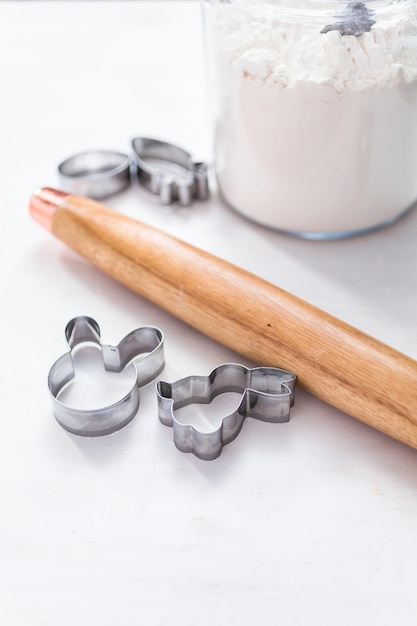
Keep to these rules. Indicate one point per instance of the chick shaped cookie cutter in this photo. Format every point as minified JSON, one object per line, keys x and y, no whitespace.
{"x":183,"y":181}
{"x":267,"y":395}
{"x":142,"y":347}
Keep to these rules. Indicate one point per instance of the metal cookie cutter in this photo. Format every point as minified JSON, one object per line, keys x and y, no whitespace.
{"x":169,"y":171}
{"x":143,"y":347}
{"x":96,"y":174}
{"x":267,"y":395}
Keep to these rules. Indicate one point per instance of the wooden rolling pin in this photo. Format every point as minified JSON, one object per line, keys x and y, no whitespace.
{"x":332,"y":360}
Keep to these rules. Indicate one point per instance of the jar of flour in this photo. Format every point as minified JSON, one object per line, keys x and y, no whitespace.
{"x":315,"y":107}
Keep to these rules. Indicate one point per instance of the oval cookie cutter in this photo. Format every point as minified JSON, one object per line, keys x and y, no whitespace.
{"x":97,"y":174}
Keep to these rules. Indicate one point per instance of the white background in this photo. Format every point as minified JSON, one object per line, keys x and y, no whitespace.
{"x":312,"y":522}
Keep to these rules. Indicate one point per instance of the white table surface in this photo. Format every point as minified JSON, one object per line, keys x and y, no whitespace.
{"x":312,"y":522}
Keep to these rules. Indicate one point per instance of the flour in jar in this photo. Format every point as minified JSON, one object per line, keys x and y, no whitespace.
{"x":316,"y":133}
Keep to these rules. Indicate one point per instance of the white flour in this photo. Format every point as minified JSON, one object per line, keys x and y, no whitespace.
{"x":316,"y":133}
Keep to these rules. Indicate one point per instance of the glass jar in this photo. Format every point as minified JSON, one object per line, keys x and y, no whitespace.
{"x":315,"y":110}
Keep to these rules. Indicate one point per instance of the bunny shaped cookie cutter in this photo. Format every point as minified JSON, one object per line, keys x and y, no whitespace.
{"x":143,"y":347}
